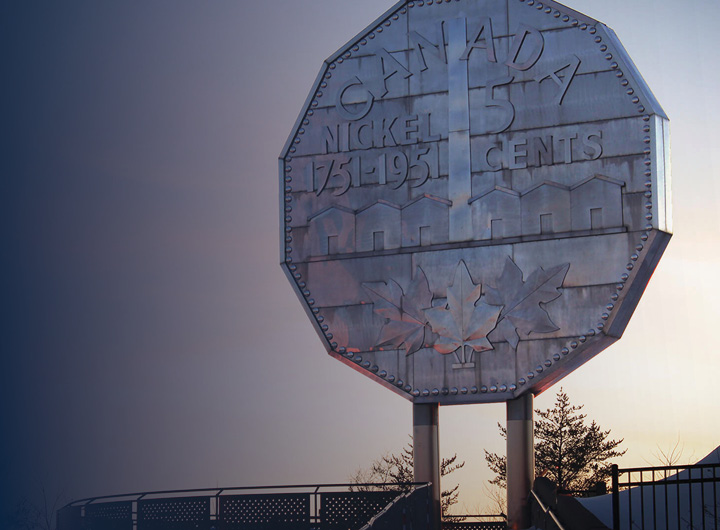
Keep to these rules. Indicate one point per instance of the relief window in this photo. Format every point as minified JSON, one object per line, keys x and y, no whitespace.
{"x":378,"y":240}
{"x":546,"y":223}
{"x":333,"y":245}
{"x":496,"y":229}
{"x":425,"y":236}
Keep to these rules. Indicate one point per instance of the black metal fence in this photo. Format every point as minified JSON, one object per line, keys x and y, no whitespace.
{"x":316,"y":507}
{"x":664,"y":498}
{"x":476,"y":522}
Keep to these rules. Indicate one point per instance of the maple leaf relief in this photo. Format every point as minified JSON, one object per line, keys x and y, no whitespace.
{"x":522,"y":311}
{"x":405,"y":323}
{"x":465,"y":320}
{"x":512,"y":308}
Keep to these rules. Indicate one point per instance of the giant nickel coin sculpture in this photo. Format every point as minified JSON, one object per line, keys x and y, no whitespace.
{"x":474,"y":197}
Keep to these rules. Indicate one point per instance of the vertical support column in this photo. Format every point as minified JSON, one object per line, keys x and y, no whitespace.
{"x":520,"y":461}
{"x":426,"y":454}
{"x":459,"y":168}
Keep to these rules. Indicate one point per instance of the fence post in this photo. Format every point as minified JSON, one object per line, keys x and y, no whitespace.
{"x":615,"y":497}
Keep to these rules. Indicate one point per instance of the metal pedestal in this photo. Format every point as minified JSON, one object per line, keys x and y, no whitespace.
{"x":426,"y":455}
{"x":520,"y":460}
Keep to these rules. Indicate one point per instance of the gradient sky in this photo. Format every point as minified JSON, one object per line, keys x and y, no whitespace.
{"x":150,"y":340}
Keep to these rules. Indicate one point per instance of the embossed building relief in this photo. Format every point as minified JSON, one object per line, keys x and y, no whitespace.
{"x":474,"y":197}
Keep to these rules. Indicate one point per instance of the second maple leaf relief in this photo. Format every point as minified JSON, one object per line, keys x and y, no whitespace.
{"x":465,"y":320}
{"x":461,"y":322}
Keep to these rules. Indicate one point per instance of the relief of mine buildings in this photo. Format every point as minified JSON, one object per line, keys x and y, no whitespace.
{"x":498,"y":213}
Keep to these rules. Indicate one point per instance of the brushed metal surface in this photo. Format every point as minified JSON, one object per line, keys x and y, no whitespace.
{"x":474,"y":197}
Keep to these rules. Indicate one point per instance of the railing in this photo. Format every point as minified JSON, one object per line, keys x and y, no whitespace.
{"x":549,"y":518}
{"x":475,"y":522}
{"x":305,"y":507}
{"x":669,"y":497}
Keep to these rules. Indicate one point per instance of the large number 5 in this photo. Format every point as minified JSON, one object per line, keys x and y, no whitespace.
{"x":503,"y":104}
{"x":416,"y":161}
{"x":330,"y":170}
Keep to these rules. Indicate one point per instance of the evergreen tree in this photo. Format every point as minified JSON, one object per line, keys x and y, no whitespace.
{"x":568,"y":451}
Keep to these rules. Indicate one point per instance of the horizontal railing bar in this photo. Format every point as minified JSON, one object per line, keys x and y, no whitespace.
{"x":225,"y":491}
{"x":468,"y":515}
{"x":669,"y":482}
{"x":667,"y":468}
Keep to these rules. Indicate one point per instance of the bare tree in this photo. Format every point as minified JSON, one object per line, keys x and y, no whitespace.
{"x":37,"y":514}
{"x":396,"y":470}
{"x":497,"y":498}
{"x":672,"y":456}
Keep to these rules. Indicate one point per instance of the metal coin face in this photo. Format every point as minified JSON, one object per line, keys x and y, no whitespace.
{"x":474,"y":197}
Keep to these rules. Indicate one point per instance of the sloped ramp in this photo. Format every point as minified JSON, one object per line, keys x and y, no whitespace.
{"x":409,"y":511}
{"x":551,"y":511}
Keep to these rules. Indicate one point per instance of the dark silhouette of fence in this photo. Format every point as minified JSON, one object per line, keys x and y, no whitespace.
{"x":307,"y":507}
{"x":667,"y":497}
